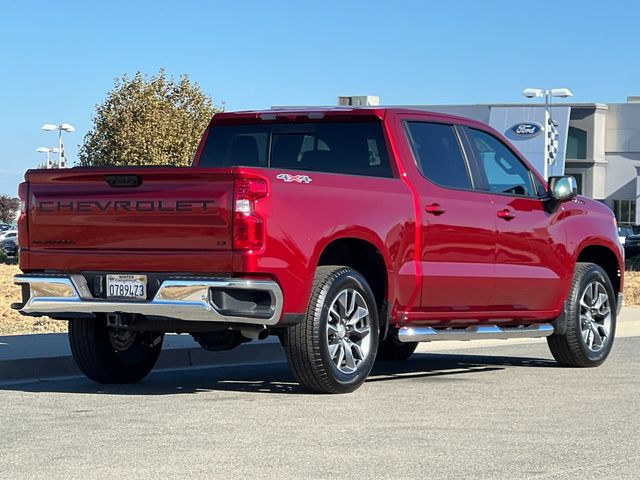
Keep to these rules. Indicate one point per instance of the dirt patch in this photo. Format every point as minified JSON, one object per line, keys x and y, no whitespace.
{"x":11,"y":322}
{"x":632,"y":288}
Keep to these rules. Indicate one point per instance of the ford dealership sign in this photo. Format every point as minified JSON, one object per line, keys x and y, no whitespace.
{"x":526,"y":130}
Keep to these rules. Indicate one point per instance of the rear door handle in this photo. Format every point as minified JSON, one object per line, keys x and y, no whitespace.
{"x":434,"y":209}
{"x":506,"y":214}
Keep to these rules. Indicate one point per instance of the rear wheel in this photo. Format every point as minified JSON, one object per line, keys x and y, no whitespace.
{"x":111,"y":355}
{"x":333,"y":349}
{"x":591,"y":320}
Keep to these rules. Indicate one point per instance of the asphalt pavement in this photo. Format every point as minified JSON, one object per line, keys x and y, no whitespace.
{"x":502,"y":411}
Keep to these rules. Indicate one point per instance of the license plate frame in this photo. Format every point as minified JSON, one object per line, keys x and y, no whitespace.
{"x":126,"y":286}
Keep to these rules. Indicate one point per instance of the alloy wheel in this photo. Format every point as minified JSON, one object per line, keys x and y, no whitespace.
{"x":348,"y":331}
{"x":595,"y":316}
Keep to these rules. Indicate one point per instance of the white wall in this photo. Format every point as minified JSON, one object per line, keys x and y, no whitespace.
{"x":476,"y":112}
{"x":623,"y":128}
{"x":621,"y":176}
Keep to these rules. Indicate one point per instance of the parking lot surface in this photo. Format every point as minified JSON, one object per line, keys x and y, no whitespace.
{"x":503,"y":412}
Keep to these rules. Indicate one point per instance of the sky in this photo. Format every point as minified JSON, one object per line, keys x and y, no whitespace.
{"x":58,"y":60}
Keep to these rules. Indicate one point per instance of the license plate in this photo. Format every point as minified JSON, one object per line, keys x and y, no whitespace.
{"x":127,"y":286}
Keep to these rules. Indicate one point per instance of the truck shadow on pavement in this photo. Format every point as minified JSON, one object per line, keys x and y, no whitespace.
{"x":276,"y":377}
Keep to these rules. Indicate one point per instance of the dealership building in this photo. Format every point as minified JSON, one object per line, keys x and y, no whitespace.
{"x":599,"y":144}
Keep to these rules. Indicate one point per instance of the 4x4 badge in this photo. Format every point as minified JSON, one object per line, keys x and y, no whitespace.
{"x":294,"y":178}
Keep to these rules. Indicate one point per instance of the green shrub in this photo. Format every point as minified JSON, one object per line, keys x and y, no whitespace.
{"x":3,"y":257}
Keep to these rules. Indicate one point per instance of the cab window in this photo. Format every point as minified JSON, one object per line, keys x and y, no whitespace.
{"x":438,"y":154}
{"x":503,"y":171}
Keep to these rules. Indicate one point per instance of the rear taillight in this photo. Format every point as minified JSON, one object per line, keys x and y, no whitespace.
{"x":23,"y":193}
{"x":248,"y":225}
{"x":23,"y":196}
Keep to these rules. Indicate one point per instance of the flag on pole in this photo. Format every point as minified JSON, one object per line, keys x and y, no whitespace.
{"x":63,"y":159}
{"x":552,"y":140}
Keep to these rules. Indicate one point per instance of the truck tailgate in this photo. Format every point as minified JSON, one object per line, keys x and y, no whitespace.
{"x":121,"y":213}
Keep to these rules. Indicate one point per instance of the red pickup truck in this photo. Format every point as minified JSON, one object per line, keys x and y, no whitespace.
{"x":351,"y":234}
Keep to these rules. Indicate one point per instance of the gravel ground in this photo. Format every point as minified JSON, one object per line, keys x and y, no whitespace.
{"x":12,"y":322}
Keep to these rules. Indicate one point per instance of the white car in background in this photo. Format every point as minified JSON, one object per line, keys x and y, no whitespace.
{"x":8,"y":234}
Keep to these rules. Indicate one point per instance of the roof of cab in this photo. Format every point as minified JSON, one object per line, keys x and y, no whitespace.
{"x":319,"y":113}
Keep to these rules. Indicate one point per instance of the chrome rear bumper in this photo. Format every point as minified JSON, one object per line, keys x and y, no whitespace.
{"x":182,"y":299}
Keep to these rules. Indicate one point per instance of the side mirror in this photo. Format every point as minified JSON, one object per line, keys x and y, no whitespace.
{"x":563,"y":188}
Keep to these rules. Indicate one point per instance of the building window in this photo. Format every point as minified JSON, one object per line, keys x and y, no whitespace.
{"x":577,"y":144}
{"x":625,"y":211}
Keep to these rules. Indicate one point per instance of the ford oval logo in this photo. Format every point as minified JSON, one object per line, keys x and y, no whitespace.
{"x":526,"y":129}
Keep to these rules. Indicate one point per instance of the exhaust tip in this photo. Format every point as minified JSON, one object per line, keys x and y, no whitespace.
{"x":255,"y":333}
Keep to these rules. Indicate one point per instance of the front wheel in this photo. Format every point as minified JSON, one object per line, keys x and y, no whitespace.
{"x":333,"y":349}
{"x":111,"y":355}
{"x":591,"y":320}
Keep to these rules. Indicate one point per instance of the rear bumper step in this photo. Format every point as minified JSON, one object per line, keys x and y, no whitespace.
{"x":428,"y":334}
{"x":182,"y":299}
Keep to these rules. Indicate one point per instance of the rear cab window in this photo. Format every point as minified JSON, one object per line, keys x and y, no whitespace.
{"x":438,"y":154}
{"x":352,"y":148}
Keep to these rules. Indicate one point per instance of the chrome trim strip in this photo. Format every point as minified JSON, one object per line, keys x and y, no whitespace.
{"x":179,"y":299}
{"x":619,"y":304}
{"x":478,"y":332}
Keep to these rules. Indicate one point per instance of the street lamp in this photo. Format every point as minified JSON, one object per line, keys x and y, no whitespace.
{"x":47,"y":150}
{"x":49,"y":127}
{"x":549,"y":124}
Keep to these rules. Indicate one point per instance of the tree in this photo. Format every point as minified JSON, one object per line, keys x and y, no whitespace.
{"x":148,"y":121}
{"x":9,"y":207}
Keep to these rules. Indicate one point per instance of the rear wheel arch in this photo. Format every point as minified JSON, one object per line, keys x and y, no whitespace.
{"x":367,"y":259}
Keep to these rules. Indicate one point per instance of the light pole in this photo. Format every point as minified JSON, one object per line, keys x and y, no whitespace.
{"x":49,"y":127}
{"x":47,"y":150}
{"x":549,"y":126}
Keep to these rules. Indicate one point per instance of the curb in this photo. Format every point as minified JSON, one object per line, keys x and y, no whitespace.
{"x":173,"y":358}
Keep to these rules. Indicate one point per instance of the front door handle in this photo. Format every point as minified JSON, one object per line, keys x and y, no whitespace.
{"x":434,"y":209}
{"x":506,"y":214}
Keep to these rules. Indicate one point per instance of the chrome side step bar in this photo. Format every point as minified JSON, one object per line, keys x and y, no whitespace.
{"x":478,"y":332}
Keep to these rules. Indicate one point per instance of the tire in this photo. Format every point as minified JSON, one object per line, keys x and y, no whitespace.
{"x":393,"y":350}
{"x":111,"y":356}
{"x":333,"y":349}
{"x":591,"y":320}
